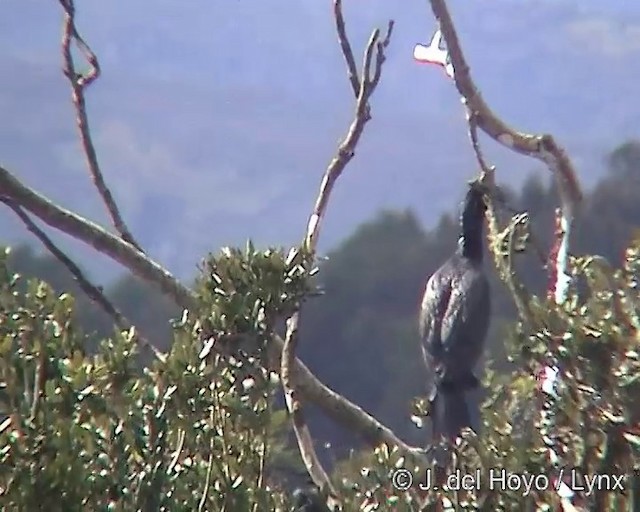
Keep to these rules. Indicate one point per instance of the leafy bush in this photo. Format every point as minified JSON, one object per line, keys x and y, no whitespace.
{"x":199,"y":431}
{"x":194,"y":432}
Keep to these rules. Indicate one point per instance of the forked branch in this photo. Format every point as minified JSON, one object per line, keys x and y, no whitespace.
{"x":542,"y":147}
{"x":96,"y":236}
{"x":126,"y":252}
{"x":79,"y":82}
{"x":90,"y":290}
{"x":311,"y":388}
{"x":362,"y":86}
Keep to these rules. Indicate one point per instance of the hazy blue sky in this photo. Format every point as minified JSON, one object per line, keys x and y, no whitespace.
{"x":215,"y":119}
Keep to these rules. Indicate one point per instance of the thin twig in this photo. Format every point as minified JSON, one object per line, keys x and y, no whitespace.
{"x":362,"y":88}
{"x":79,"y":82}
{"x":38,"y":382}
{"x":345,"y":46}
{"x":176,"y":455}
{"x":487,"y":177}
{"x":93,"y":292}
{"x":472,"y":121}
{"x":207,"y":479}
{"x":261,"y":470}
{"x":380,"y":56}
{"x":264,"y":450}
{"x":97,"y":237}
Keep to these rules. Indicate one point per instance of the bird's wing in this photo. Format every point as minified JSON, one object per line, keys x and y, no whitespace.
{"x":465,"y":323}
{"x":435,"y":302}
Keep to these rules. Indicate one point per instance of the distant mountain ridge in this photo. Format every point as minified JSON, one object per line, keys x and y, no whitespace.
{"x":215,"y":120}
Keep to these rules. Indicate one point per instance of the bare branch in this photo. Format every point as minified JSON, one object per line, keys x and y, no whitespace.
{"x":472,"y":121}
{"x":97,"y":237}
{"x":345,"y":412}
{"x":294,"y":406}
{"x":38,"y":383}
{"x":487,"y":177}
{"x":345,"y":153}
{"x":347,"y":52}
{"x":380,"y":56}
{"x":93,"y":292}
{"x":542,"y":147}
{"x":337,"y":407}
{"x":345,"y":46}
{"x":79,"y":83}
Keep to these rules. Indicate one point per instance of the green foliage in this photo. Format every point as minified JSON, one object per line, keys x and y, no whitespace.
{"x":596,"y":427}
{"x":596,"y":335}
{"x":246,"y":292}
{"x":85,"y":429}
{"x":80,"y":432}
{"x":373,"y":282}
{"x":199,"y":432}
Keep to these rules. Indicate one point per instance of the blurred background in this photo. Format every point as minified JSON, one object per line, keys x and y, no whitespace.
{"x":214,"y":121}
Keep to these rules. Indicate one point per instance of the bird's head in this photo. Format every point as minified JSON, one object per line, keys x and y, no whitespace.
{"x":475,"y":204}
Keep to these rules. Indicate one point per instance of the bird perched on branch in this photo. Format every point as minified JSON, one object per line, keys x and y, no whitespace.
{"x":308,"y":499}
{"x":454,"y":319}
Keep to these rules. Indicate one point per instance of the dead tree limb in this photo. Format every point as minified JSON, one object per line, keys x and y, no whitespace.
{"x":311,"y":388}
{"x":124,"y":250}
{"x":543,"y":147}
{"x":362,"y":87}
{"x":90,"y":290}
{"x":94,"y":235}
{"x":79,"y":82}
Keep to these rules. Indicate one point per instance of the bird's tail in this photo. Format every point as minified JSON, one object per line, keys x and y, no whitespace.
{"x":452,"y":410}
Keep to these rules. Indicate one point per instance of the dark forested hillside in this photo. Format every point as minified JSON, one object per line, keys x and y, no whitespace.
{"x":360,"y":336}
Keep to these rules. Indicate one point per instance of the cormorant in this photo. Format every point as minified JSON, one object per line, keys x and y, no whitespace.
{"x":454,"y":319}
{"x":308,"y":499}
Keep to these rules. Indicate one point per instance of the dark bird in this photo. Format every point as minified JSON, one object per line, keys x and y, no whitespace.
{"x":454,"y":319}
{"x":308,"y":499}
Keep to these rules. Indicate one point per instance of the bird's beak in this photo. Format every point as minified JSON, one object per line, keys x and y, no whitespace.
{"x":480,"y":187}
